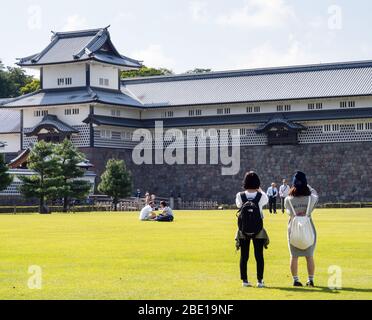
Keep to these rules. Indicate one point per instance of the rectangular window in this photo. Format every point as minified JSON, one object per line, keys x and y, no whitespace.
{"x":76,"y":111}
{"x":351,"y":104}
{"x":363,"y":127}
{"x":311,"y":106}
{"x":287,"y":107}
{"x":279,"y":108}
{"x":170,"y":114}
{"x":243,"y":131}
{"x":219,"y":111}
{"x":227,"y":110}
{"x":126,"y":135}
{"x":115,"y":112}
{"x":257,"y":109}
{"x":331,"y":128}
{"x":67,"y":112}
{"x":249,"y":109}
{"x":191,"y":113}
{"x":61,"y":81}
{"x":198,"y":112}
{"x":319,"y":106}
{"x":106,"y":134}
{"x":343,"y":104}
{"x":104,"y":82}
{"x":68,"y":81}
{"x":40,"y":113}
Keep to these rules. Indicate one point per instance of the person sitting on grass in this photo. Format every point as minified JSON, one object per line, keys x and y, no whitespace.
{"x":166,"y":214}
{"x":301,"y":203}
{"x":252,"y":199}
{"x":147,"y":213}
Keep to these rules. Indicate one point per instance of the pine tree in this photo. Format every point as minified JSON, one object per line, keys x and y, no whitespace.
{"x":72,"y":187}
{"x":47,"y":181}
{"x":116,"y":181}
{"x":5,"y":178}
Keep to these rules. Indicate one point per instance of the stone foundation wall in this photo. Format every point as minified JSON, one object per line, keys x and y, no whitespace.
{"x":340,"y":172}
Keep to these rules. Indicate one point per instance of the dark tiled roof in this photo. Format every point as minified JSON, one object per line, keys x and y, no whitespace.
{"x":113,"y":121}
{"x":232,"y":119}
{"x":67,"y":47}
{"x":256,"y":85}
{"x":280,"y":121}
{"x":10,"y":121}
{"x":52,"y":121}
{"x":74,"y":96}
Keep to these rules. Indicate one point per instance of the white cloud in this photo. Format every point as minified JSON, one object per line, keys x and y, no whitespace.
{"x":198,"y":10}
{"x":154,"y":56}
{"x":266,"y":55}
{"x":258,"y":14}
{"x":75,"y":22}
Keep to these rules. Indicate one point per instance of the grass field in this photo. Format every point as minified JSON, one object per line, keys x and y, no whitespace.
{"x":114,"y":256}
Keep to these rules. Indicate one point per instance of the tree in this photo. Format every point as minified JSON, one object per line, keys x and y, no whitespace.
{"x":47,"y":181}
{"x":5,"y":178}
{"x":12,"y":80}
{"x":116,"y":181}
{"x":146,"y":72}
{"x":72,"y":187}
{"x":30,"y":87}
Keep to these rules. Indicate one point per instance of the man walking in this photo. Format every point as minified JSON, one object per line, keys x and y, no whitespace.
{"x":283,"y":193}
{"x":272,"y":193}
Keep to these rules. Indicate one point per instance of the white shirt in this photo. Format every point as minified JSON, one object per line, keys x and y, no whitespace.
{"x":167,"y":211}
{"x":272,"y":191}
{"x":250,"y":196}
{"x":145,"y":213}
{"x":284,"y":190}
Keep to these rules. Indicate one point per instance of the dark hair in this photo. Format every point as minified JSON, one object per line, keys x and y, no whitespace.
{"x":300,"y":192}
{"x":163,"y":203}
{"x":251,"y":181}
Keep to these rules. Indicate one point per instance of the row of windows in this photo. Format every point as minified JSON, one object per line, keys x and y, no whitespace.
{"x":359,"y":127}
{"x":257,"y":109}
{"x":68,"y":112}
{"x":68,"y":82}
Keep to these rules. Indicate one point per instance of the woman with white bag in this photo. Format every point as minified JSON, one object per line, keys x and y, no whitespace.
{"x":301,"y":230}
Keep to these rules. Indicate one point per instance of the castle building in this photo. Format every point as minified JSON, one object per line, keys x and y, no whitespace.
{"x":317,"y":118}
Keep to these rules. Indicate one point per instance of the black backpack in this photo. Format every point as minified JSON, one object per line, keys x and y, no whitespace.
{"x":250,"y":220}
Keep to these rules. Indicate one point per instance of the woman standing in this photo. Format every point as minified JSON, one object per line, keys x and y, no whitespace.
{"x":301,"y":203}
{"x":252,"y":192}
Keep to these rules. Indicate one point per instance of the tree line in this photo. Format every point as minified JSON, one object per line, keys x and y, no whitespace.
{"x":57,"y":176}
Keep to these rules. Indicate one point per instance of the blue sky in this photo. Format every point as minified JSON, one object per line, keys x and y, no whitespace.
{"x":185,"y":34}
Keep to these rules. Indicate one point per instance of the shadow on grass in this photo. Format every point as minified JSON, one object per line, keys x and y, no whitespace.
{"x":320,"y":289}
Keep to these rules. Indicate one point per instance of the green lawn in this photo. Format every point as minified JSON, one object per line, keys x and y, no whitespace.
{"x":114,"y":256}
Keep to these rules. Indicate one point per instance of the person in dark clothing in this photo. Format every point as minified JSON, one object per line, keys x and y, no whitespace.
{"x":252,"y":189}
{"x":272,"y":193}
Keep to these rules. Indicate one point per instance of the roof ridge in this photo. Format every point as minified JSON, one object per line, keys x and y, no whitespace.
{"x":253,"y":71}
{"x":79,"y":32}
{"x":90,"y":44}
